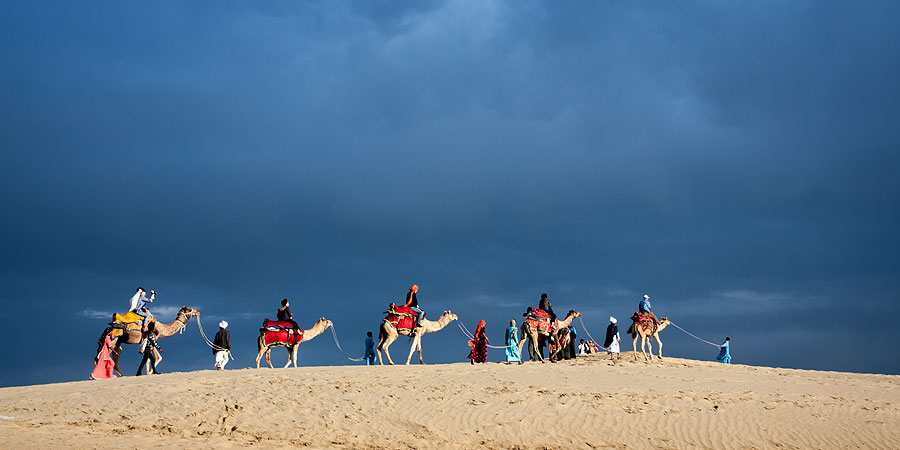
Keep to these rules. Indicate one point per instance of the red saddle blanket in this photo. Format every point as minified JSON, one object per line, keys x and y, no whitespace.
{"x":284,"y":336}
{"x":539,"y":320}
{"x":644,"y":321}
{"x":401,"y":317}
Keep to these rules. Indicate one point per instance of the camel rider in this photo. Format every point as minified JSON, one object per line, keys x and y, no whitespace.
{"x":547,"y":306}
{"x":139,"y":305}
{"x":284,"y":314}
{"x":644,"y":307}
{"x":412,"y":302}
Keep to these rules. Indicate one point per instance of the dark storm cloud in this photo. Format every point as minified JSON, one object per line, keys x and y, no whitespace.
{"x":735,"y":161}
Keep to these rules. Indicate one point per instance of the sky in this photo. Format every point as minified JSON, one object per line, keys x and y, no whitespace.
{"x":737,"y":162}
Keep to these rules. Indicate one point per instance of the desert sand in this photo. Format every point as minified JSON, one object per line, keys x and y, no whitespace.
{"x":587,"y":403}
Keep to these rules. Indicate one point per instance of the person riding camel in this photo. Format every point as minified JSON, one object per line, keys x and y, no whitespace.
{"x":412,"y":302}
{"x":644,"y":307}
{"x":547,"y":306}
{"x":284,"y":314}
{"x":139,"y":306}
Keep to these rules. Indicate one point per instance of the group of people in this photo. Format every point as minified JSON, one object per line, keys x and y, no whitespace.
{"x":221,"y":346}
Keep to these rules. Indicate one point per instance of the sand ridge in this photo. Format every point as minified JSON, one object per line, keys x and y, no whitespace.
{"x":587,"y":403}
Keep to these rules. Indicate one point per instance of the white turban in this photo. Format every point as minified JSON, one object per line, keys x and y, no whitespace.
{"x":646,"y":297}
{"x":612,"y":319}
{"x":223,"y":324}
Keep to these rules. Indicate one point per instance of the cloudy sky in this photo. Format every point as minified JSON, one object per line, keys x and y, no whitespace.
{"x":737,"y":162}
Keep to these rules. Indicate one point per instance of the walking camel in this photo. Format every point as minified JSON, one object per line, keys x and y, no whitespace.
{"x":317,"y":329}
{"x":645,"y":330}
{"x":532,"y":335}
{"x":162,"y":330}
{"x":387,"y":334}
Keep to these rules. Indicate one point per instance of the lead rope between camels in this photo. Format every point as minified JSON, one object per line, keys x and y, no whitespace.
{"x":691,"y":335}
{"x":589,"y":334}
{"x":334,"y":333}
{"x":208,"y":342}
{"x":470,"y":336}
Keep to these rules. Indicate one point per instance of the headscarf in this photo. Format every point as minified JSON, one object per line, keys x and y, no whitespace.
{"x":478,"y":329}
{"x":612,"y":319}
{"x":134,"y":300}
{"x":223,"y":324}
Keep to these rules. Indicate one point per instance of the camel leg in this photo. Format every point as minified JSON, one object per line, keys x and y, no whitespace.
{"x":269,"y":357}
{"x":645,"y":341}
{"x":387,"y":343}
{"x":659,"y":343}
{"x":419,"y":348}
{"x":294,"y":356}
{"x":259,"y":356}
{"x":260,"y":350}
{"x":416,"y":345}
{"x":114,"y":354}
{"x":634,"y":338}
{"x":378,"y":349}
{"x":533,"y":336}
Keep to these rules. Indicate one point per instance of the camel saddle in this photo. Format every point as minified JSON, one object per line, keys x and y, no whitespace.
{"x":539,"y":320}
{"x":280,"y":333}
{"x":130,"y":317}
{"x":125,"y":323}
{"x":644,"y":321}
{"x":401,"y":317}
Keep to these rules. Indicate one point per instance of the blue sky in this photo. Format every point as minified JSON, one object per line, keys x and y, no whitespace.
{"x":737,"y":162}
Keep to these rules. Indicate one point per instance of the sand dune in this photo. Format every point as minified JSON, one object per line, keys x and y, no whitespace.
{"x":588,"y":403}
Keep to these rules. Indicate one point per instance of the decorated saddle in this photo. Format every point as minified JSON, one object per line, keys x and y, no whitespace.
{"x":125,"y":323}
{"x":130,"y":317}
{"x":644,"y":321}
{"x":401,"y":317}
{"x":539,"y":320}
{"x":280,"y":333}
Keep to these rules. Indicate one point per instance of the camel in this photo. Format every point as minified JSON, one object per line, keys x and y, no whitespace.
{"x":637,"y":330}
{"x":532,"y":335}
{"x":162,"y":330}
{"x":388,"y":334}
{"x":317,"y":329}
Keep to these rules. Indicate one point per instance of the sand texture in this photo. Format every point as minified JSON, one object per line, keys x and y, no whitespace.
{"x":587,"y":403}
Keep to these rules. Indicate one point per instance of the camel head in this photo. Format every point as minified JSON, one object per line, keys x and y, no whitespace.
{"x":325,"y":323}
{"x":449,"y":315}
{"x":188,"y":312}
{"x":573,"y":314}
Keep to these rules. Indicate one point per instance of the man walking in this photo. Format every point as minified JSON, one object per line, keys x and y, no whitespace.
{"x":222,"y":346}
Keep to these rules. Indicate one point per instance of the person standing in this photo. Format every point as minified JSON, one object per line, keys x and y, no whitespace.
{"x":479,"y":345}
{"x":370,"y":349}
{"x":284,"y":314}
{"x":412,"y":302}
{"x":612,"y":339}
{"x":574,"y":336}
{"x":104,"y":366}
{"x":150,"y":353}
{"x":222,"y":346}
{"x":725,"y":351}
{"x":512,"y":344}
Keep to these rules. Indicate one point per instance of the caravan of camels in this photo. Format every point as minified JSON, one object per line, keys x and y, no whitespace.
{"x":138,"y":326}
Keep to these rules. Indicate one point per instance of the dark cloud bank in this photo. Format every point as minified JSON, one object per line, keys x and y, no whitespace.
{"x":737,"y":162}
